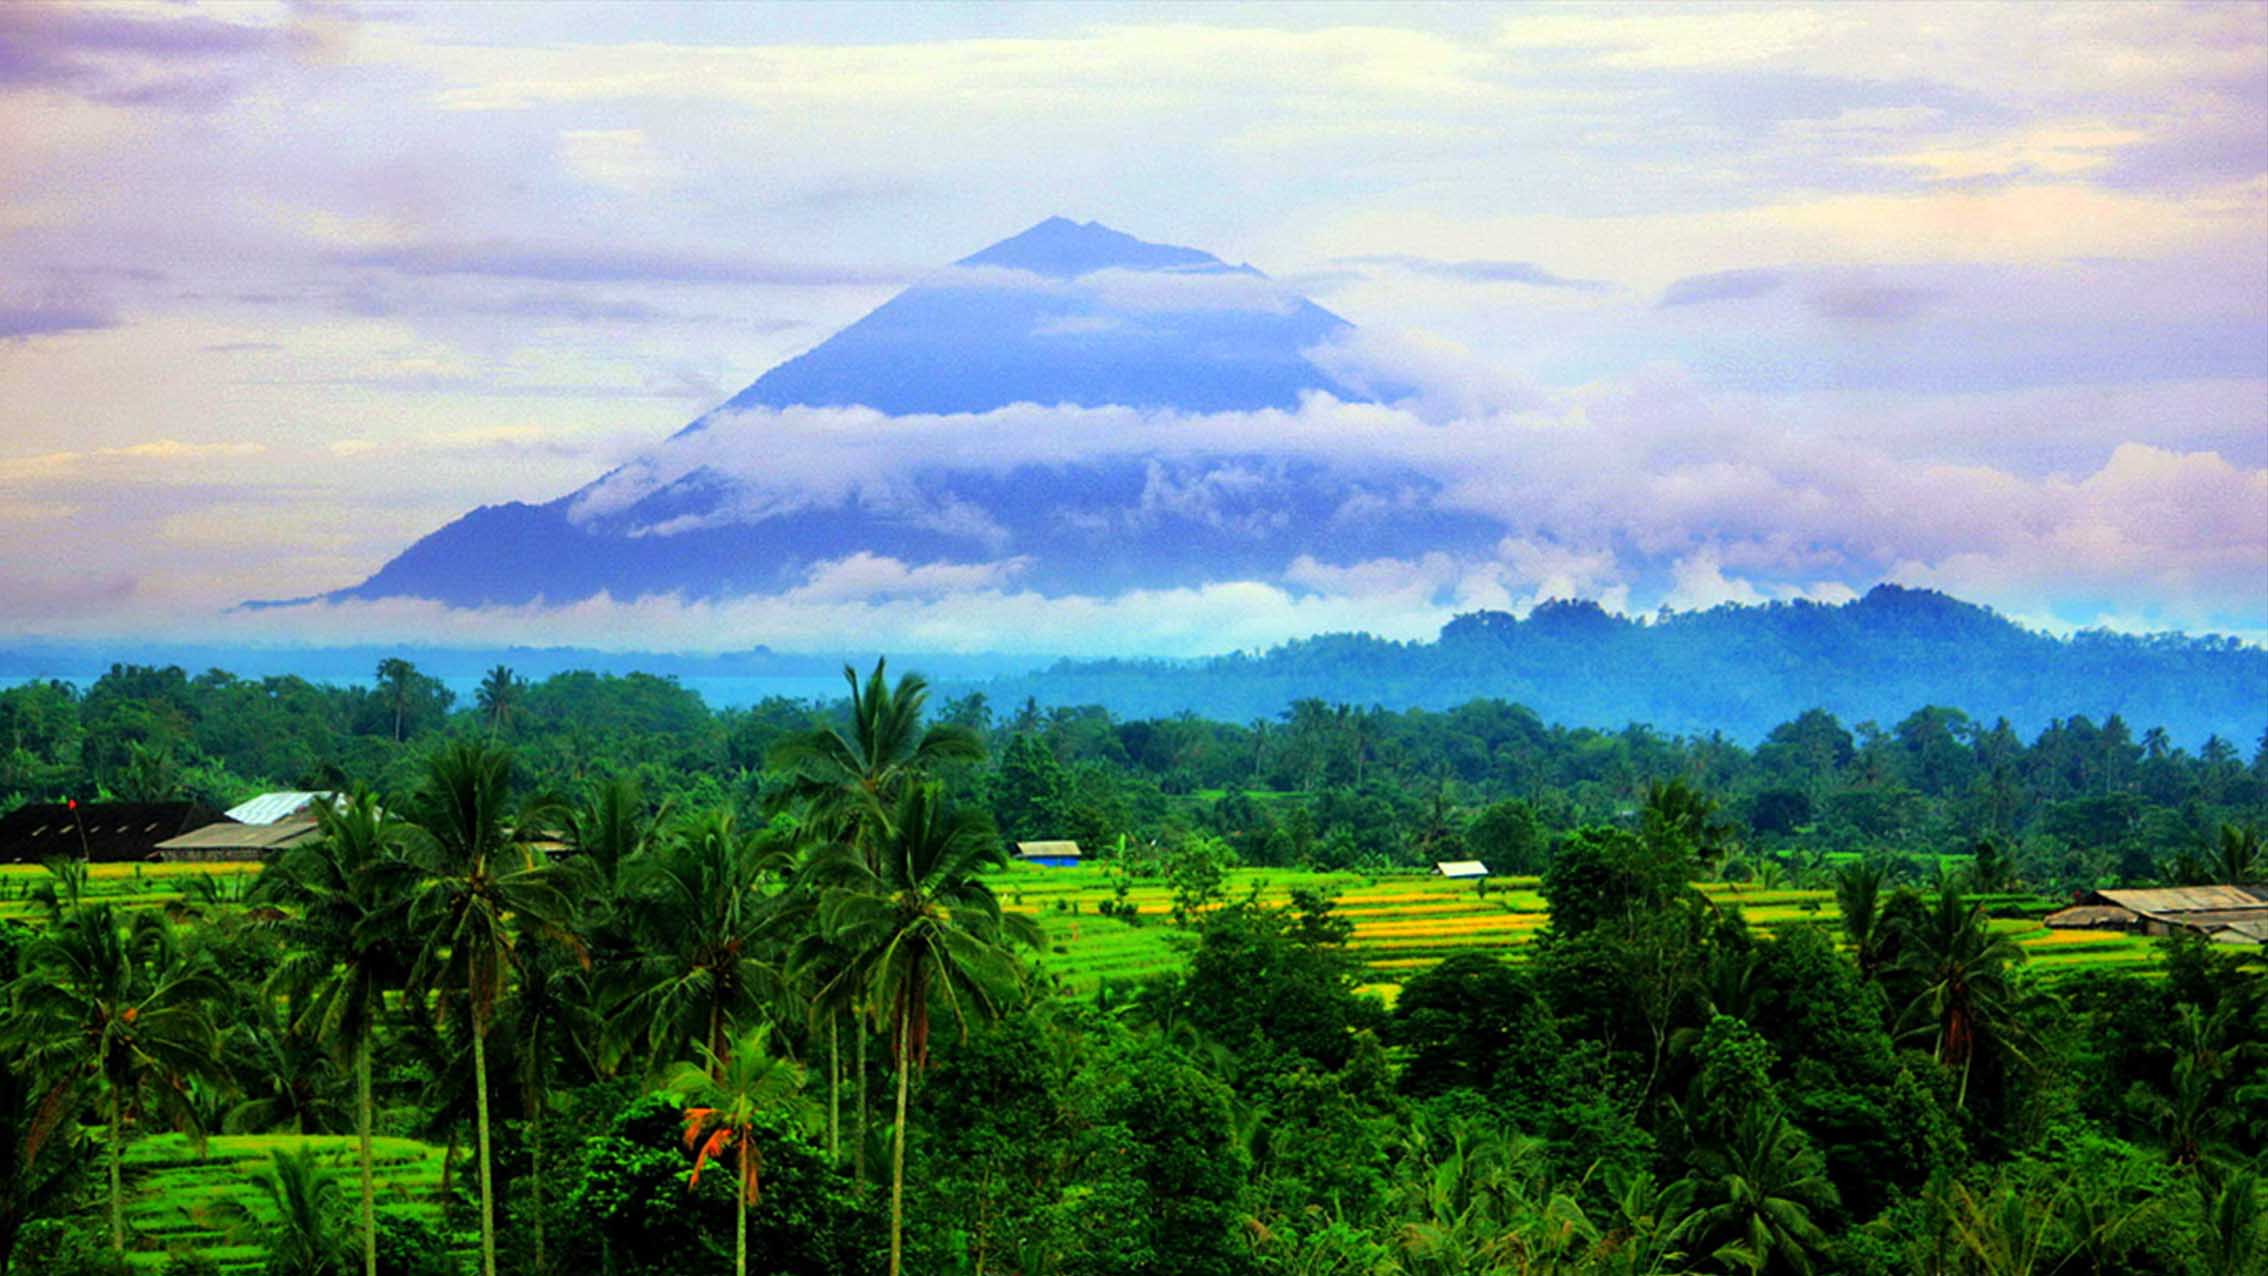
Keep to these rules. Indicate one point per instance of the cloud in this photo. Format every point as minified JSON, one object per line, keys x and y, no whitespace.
{"x":1722,"y":285}
{"x":1479,"y":272}
{"x":1872,"y":303}
{"x":596,"y":263}
{"x":21,"y":320}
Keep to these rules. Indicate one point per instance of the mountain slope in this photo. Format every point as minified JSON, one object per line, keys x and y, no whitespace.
{"x":1062,"y":314}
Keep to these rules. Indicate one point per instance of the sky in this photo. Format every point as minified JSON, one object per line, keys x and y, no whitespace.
{"x":1706,"y":304}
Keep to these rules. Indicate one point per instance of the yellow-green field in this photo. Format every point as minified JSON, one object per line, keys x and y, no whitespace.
{"x":1406,"y":923}
{"x":182,"y":1195}
{"x":122,"y":885}
{"x":1402,"y":922}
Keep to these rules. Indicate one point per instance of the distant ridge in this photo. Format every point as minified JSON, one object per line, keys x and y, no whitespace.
{"x":1736,"y":669}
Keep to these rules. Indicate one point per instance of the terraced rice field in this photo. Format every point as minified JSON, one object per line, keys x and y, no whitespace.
{"x":1406,"y":923}
{"x":125,"y":886}
{"x":181,"y":1197}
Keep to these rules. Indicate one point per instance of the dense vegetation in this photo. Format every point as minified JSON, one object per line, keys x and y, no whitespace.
{"x":1732,"y":669}
{"x":649,"y":989}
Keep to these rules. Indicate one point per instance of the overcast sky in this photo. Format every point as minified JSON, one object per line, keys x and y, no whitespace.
{"x":1783,"y":301}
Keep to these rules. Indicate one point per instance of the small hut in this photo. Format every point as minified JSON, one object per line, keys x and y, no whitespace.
{"x":1461,"y":870}
{"x":1050,"y":854}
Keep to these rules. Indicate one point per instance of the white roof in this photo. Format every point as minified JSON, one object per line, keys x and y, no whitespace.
{"x":1461,"y":868}
{"x":1050,"y":850}
{"x":271,"y":807}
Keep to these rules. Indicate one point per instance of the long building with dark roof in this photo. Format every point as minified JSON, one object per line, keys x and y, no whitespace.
{"x":99,"y":832}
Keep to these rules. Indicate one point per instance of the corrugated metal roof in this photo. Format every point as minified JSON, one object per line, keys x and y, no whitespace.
{"x":2161,"y":901}
{"x":2091,"y":915}
{"x":1030,"y":850}
{"x":2242,"y":933}
{"x":1461,"y":868}
{"x":270,"y":807}
{"x":229,"y":836}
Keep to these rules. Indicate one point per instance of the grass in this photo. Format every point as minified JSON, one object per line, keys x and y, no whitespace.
{"x":1405,"y":923}
{"x":123,"y":886}
{"x":180,"y":1194}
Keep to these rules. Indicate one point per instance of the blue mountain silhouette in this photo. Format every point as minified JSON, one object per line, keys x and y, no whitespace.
{"x":1065,"y":313}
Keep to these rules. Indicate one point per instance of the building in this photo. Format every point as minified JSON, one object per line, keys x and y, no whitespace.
{"x":229,"y":841}
{"x":98,"y":832}
{"x":2228,"y":914}
{"x":274,"y":808}
{"x":1050,"y":854}
{"x":1461,"y":870}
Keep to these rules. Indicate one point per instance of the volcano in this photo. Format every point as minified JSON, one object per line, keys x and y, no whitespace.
{"x":1063,"y":317}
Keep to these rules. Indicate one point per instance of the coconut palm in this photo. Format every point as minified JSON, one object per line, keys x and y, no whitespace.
{"x":698,"y":911}
{"x":549,"y":1018}
{"x":288,"y":1076}
{"x":498,"y":696}
{"x":921,"y":931}
{"x":2236,"y":855}
{"x":348,"y":942}
{"x":1763,"y":1187}
{"x":396,"y":676}
{"x":122,"y":1008}
{"x":848,"y":781}
{"x":1858,"y":898}
{"x":725,"y":1095}
{"x":482,"y":887}
{"x":610,"y":828}
{"x":302,"y":1195}
{"x":1957,"y":970}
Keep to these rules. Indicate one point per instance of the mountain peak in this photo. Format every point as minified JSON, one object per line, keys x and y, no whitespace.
{"x":1065,"y":249}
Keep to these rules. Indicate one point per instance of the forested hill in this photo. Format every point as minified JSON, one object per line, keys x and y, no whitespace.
{"x":1739,"y":670}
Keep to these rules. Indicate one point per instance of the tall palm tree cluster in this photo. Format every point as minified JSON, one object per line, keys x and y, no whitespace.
{"x":507,"y":938}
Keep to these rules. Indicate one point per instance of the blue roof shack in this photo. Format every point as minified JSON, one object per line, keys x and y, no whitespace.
{"x":1049,"y":854}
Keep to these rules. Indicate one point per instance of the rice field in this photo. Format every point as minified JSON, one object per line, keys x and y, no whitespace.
{"x":123,"y":886}
{"x":183,"y":1198}
{"x":1405,"y":923}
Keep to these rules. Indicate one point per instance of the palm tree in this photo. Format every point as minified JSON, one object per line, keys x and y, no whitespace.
{"x":549,"y":1017}
{"x":921,"y":929}
{"x":724,"y":1097}
{"x":612,"y":827}
{"x":482,"y":886}
{"x":1858,"y":898}
{"x":288,"y":1076}
{"x":1764,"y":1185}
{"x":2236,"y":855}
{"x":698,"y":908}
{"x":396,"y":676}
{"x":498,"y":696}
{"x":1957,"y":968}
{"x":348,"y":942}
{"x":302,"y":1195}
{"x":126,"y":1010}
{"x":848,"y":783}
{"x":2235,"y":1239}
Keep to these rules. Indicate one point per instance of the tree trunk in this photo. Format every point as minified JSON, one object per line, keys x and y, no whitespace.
{"x":898,"y":1144}
{"x":362,"y":1132}
{"x":834,"y":1088}
{"x":117,"y":1177}
{"x":858,"y":1149}
{"x":480,"y":1124}
{"x":535,"y":1172}
{"x":740,"y":1226}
